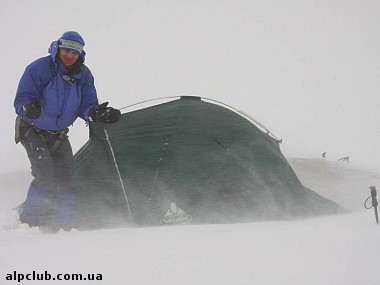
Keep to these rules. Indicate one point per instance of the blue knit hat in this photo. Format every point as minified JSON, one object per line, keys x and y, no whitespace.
{"x":71,"y":40}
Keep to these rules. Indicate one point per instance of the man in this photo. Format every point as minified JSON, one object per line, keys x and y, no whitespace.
{"x":53,"y":92}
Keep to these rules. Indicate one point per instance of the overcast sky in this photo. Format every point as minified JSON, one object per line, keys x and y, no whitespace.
{"x":308,"y":70}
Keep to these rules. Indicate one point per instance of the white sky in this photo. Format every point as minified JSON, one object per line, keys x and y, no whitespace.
{"x":308,"y":70}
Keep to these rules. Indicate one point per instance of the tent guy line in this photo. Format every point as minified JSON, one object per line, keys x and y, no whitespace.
{"x":118,"y":173}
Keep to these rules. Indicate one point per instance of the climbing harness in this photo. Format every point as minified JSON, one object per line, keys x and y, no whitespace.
{"x":59,"y":136}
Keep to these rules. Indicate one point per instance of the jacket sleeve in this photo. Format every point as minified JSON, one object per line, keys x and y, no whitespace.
{"x":89,"y":96}
{"x":29,"y":88}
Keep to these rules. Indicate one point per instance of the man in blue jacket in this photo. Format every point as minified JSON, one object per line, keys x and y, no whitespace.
{"x":53,"y":92}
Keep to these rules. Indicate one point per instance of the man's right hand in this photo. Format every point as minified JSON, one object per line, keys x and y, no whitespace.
{"x":32,"y":110}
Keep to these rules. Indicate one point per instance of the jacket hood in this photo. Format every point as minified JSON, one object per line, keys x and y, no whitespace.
{"x":53,"y":50}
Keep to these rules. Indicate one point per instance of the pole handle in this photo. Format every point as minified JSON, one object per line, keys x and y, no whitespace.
{"x":374,"y":202}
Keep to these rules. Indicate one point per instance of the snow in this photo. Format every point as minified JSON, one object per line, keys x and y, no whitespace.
{"x":308,"y":70}
{"x":343,"y":183}
{"x":333,"y":250}
{"x":341,"y":249}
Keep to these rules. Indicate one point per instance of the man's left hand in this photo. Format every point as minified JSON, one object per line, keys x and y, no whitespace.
{"x":104,"y":114}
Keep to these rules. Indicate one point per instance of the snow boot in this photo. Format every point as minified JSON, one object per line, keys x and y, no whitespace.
{"x":32,"y":211}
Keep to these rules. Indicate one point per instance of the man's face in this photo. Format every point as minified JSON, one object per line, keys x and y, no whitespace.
{"x":68,"y":57}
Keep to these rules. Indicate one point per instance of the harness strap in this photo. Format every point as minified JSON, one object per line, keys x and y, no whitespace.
{"x":38,"y":132}
{"x":60,"y":135}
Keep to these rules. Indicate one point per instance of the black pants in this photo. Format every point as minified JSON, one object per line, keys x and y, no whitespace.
{"x":52,"y":171}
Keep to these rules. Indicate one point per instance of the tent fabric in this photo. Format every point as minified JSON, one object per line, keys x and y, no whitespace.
{"x":186,"y":161}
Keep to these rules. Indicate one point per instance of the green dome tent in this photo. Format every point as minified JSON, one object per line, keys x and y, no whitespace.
{"x":187,"y":161}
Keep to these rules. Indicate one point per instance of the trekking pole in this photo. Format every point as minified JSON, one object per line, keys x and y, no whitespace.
{"x":374,"y":202}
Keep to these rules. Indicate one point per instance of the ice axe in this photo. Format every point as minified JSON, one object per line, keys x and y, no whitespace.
{"x":374,"y":202}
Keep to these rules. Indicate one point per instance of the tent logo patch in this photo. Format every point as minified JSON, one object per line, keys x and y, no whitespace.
{"x":175,"y":216}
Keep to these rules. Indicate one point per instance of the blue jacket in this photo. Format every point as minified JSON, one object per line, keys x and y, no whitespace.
{"x":62,"y":102}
